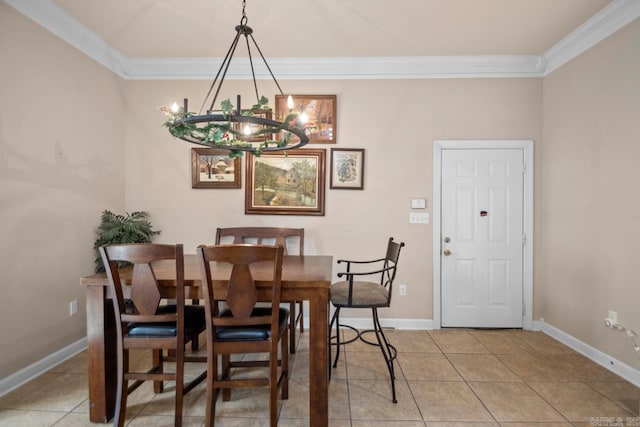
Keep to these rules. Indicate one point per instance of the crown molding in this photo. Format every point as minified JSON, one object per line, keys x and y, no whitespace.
{"x":601,"y":25}
{"x":49,"y":15}
{"x":332,"y":68}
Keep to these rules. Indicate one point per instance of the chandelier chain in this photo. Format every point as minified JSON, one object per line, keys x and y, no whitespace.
{"x":253,"y":73}
{"x":244,"y":19}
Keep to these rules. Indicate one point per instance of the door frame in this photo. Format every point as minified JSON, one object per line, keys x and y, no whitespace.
{"x":527,"y":254}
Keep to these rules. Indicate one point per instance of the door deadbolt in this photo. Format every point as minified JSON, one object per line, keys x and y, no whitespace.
{"x":446,"y":252}
{"x":447,"y":239}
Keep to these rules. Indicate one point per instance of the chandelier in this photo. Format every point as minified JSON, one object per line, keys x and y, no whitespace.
{"x":232,"y":128}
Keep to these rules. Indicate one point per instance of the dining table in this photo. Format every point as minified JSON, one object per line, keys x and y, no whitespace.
{"x":305,"y":278}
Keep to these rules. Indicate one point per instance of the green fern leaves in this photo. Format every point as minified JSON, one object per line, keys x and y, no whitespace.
{"x":132,"y":227}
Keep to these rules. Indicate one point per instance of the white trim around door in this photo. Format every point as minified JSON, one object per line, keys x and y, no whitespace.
{"x":527,"y":147}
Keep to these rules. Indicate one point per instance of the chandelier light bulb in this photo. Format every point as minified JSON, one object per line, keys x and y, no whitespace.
{"x":174,"y":108}
{"x":247,"y":130}
{"x":304,"y":118}
{"x":290,"y":102}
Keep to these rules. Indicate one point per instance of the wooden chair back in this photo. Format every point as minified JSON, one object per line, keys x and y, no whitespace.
{"x":277,"y":236}
{"x":263,"y":235}
{"x":241,"y":292}
{"x":143,"y":290}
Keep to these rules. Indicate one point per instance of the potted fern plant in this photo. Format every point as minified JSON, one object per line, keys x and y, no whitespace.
{"x":133,"y":227}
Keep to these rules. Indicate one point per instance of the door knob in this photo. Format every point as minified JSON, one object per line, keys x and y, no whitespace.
{"x":446,"y":252}
{"x":447,"y":239}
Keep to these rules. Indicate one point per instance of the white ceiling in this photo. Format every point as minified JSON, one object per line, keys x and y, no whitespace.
{"x":303,"y":28}
{"x":335,"y":38}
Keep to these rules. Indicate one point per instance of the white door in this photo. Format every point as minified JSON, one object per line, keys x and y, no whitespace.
{"x":482,"y":237}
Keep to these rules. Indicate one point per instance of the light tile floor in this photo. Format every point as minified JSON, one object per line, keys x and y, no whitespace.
{"x":445,"y":378}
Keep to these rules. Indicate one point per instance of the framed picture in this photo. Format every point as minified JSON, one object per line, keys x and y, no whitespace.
{"x":213,"y":168}
{"x":320,"y":111}
{"x":290,"y":183}
{"x":347,"y":168}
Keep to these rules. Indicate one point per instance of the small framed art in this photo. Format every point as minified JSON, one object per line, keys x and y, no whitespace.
{"x":320,"y":112}
{"x":347,"y":168}
{"x":213,"y":168}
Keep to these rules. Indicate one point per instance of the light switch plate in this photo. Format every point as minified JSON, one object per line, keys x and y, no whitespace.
{"x":73,"y":307}
{"x":418,"y":203}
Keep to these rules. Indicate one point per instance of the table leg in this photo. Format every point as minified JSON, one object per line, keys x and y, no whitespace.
{"x":101,"y":346}
{"x":318,"y":359}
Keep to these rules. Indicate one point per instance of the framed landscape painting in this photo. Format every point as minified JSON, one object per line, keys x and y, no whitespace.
{"x":347,"y":168}
{"x":213,"y":168}
{"x":286,"y":184}
{"x":320,"y":112}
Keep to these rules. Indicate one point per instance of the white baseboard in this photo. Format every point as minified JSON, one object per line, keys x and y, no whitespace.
{"x":367,"y":323}
{"x":619,"y":368}
{"x":24,"y":375}
{"x":537,"y":325}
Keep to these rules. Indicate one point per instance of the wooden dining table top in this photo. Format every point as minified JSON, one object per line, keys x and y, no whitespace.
{"x":297,"y":271}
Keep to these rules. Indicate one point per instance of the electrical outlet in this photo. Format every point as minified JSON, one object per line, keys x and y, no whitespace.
{"x":403,"y":290}
{"x":418,"y":218}
{"x":73,"y":307}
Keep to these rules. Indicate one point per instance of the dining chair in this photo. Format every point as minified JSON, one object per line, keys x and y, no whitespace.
{"x":370,"y":289}
{"x":243,"y":327}
{"x":276,"y":236}
{"x":144,"y":323}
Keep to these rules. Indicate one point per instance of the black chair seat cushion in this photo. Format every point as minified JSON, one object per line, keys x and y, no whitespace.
{"x":365,"y":294}
{"x":253,"y":332}
{"x":194,"y":322}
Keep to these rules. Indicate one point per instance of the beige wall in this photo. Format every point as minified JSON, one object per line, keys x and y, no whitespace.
{"x":591,"y":205}
{"x":395,"y":121}
{"x":61,"y":164}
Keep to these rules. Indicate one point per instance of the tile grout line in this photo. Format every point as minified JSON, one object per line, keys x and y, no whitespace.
{"x":467,"y":383}
{"x":537,"y":351}
{"x":534,"y":351}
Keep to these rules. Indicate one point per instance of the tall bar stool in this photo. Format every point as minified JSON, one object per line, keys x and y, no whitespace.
{"x":371,"y":293}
